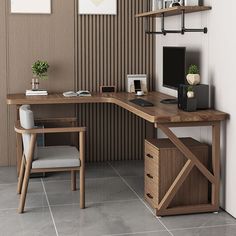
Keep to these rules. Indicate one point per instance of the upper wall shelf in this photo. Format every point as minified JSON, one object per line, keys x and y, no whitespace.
{"x":173,"y":11}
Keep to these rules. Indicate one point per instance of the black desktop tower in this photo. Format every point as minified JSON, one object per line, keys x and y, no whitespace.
{"x":201,"y":93}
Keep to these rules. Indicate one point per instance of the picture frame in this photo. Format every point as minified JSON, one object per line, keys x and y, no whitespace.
{"x":130,"y":82}
{"x":97,"y":7}
{"x":31,"y":6}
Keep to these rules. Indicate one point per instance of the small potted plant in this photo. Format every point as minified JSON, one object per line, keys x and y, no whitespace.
{"x":39,"y":69}
{"x":193,"y":76}
{"x":190,"y":93}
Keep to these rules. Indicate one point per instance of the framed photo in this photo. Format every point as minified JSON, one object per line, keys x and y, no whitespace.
{"x":97,"y":7}
{"x":31,"y":6}
{"x":130,"y":87}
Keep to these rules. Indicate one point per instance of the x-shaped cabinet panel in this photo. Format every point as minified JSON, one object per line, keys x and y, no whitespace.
{"x":213,"y":176}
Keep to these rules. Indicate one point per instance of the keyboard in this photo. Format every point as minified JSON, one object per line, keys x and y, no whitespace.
{"x":141,"y":102}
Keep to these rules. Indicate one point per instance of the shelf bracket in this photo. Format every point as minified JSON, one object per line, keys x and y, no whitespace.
{"x":182,"y":31}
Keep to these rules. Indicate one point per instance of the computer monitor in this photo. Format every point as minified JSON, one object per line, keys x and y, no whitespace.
{"x":173,"y":68}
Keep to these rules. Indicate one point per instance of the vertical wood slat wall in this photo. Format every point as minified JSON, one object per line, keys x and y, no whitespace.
{"x":110,"y":47}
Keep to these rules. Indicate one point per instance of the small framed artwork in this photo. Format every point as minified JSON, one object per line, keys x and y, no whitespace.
{"x":130,"y":83}
{"x":97,"y":7}
{"x":31,"y":6}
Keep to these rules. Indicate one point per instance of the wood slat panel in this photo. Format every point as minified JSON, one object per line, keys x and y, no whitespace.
{"x":3,"y":86}
{"x":109,"y":48}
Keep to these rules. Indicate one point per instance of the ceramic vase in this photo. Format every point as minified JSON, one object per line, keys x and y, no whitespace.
{"x":193,"y":79}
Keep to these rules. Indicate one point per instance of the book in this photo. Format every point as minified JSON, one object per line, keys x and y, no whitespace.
{"x":36,"y":92}
{"x":80,"y":93}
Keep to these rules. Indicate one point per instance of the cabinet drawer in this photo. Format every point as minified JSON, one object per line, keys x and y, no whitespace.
{"x":151,"y":153}
{"x":151,"y":172}
{"x":151,"y":195}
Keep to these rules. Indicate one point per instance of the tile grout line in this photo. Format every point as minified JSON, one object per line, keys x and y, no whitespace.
{"x":55,"y":227}
{"x":144,"y":203}
{"x":134,"y":233}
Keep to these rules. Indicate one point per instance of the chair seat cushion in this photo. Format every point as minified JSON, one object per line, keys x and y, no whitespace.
{"x":56,"y":157}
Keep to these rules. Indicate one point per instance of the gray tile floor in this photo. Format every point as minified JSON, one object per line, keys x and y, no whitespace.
{"x":114,"y":206}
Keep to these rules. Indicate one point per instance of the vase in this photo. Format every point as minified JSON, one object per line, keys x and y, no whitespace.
{"x":193,"y":79}
{"x":35,"y":83}
{"x":190,"y":94}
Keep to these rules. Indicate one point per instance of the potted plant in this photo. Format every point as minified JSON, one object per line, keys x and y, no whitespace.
{"x":193,"y":76}
{"x":190,"y":93}
{"x":39,"y":69}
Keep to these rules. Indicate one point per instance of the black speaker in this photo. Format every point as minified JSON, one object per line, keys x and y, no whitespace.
{"x":201,"y":93}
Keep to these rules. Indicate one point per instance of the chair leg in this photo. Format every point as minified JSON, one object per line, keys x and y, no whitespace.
{"x":73,"y":180}
{"x":21,"y":175}
{"x":82,"y":189}
{"x":24,"y":188}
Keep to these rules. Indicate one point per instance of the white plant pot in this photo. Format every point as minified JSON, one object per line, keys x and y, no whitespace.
{"x":193,"y":79}
{"x":190,"y":94}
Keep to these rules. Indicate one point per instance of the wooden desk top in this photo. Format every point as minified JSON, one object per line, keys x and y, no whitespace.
{"x":159,"y":113}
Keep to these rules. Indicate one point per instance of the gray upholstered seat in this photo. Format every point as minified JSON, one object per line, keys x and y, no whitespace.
{"x":56,"y":157}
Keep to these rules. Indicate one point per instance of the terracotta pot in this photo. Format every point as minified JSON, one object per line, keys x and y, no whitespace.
{"x":193,"y":79}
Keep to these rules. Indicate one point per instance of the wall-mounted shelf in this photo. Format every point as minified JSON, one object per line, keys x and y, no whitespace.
{"x":173,"y":11}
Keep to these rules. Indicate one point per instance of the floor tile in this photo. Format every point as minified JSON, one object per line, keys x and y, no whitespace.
{"x":8,"y":175}
{"x":197,"y":220}
{"x":93,"y":170}
{"x":35,"y":221}
{"x":96,"y":190}
{"x":229,"y":230}
{"x":129,"y":168}
{"x":137,"y":184}
{"x":10,"y":199}
{"x":106,"y":218}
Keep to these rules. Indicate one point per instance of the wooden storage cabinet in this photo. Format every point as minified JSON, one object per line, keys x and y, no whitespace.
{"x":163,"y":162}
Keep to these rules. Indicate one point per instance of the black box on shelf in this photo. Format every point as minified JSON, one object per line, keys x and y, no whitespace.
{"x":201,"y":93}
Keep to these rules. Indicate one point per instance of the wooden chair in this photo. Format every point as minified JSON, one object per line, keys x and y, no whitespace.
{"x":48,"y":159}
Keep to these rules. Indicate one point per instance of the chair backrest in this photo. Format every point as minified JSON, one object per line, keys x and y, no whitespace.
{"x":27,"y":122}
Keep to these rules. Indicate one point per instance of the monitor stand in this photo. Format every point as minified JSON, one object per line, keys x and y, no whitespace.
{"x":169,"y":101}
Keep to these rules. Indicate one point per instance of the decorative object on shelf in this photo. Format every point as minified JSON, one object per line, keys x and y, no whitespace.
{"x":97,"y":7}
{"x":175,"y":3}
{"x":31,"y":7}
{"x":167,"y":3}
{"x":191,"y":2}
{"x":39,"y":69}
{"x":193,"y":76}
{"x":190,"y":93}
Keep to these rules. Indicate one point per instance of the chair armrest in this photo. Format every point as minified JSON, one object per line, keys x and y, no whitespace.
{"x":21,"y":130}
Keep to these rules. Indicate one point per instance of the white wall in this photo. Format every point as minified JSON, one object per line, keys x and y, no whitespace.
{"x":215,"y":52}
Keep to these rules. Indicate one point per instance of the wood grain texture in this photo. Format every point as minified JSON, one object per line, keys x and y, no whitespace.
{"x":159,"y":113}
{"x":176,"y":182}
{"x":109,"y":48}
{"x":4,"y":161}
{"x":172,"y":11}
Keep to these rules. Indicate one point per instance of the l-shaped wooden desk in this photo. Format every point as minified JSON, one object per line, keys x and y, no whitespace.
{"x":163,"y":117}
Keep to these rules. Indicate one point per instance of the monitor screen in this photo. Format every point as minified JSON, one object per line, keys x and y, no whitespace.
{"x":173,"y":66}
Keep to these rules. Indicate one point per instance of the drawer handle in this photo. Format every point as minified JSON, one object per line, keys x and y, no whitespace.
{"x":149,"y":195}
{"x":150,"y":156}
{"x":149,"y":176}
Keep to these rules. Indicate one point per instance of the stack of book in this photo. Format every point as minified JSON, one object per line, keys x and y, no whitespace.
{"x":36,"y":93}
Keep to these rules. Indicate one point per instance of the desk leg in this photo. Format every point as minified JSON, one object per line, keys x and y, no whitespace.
{"x":19,"y":149}
{"x":216,"y":163}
